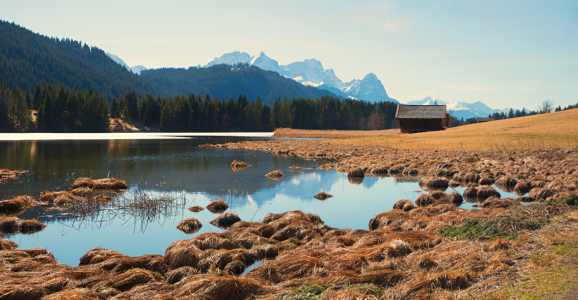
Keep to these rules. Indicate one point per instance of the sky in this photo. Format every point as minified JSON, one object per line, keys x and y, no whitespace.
{"x":503,"y":53}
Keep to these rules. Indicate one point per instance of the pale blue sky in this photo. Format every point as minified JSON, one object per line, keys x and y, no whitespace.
{"x":503,"y":53}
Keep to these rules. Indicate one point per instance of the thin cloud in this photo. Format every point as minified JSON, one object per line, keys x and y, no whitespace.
{"x":472,"y":88}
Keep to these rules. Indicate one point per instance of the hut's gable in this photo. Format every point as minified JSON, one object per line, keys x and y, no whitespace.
{"x":421,"y":112}
{"x":418,"y":118}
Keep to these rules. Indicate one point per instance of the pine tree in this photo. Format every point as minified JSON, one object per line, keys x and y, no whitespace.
{"x":114,"y":109}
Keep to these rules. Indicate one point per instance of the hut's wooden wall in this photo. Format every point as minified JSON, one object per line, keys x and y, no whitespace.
{"x":419,"y":125}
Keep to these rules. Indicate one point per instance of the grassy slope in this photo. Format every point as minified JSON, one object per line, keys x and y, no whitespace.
{"x":554,"y":130}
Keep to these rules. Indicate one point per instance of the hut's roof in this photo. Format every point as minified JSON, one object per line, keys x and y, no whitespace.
{"x":420,"y":111}
{"x":485,"y":119}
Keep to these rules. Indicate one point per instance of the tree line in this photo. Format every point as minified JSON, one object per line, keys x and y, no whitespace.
{"x":57,"y":109}
{"x":203,"y":114}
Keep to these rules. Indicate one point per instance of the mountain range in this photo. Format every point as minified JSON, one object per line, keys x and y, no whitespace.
{"x":462,"y":109}
{"x":28,"y":59}
{"x":310,"y":72}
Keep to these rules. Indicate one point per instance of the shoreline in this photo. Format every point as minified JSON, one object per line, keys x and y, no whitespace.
{"x":424,"y":250}
{"x":126,"y":135}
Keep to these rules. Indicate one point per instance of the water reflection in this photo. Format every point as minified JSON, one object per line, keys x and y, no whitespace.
{"x":190,"y":176}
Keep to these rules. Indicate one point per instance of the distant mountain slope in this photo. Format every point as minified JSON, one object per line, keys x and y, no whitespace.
{"x":28,"y":59}
{"x":118,"y":60}
{"x":311,"y":72}
{"x":462,"y":109}
{"x":225,"y":81}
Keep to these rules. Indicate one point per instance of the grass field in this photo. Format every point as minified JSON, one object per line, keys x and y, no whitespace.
{"x":331,"y":134}
{"x":546,"y":131}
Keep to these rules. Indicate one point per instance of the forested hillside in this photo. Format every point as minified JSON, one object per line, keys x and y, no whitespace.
{"x":197,"y":113}
{"x":60,"y":85}
{"x":28,"y":59}
{"x":224,"y":81}
{"x":58,"y":110}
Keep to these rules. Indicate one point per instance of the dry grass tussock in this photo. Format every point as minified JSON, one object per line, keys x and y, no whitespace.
{"x":196,"y":208}
{"x":99,"y":184}
{"x":190,"y":225}
{"x":217,"y":206}
{"x":14,"y":225}
{"x":275,"y":175}
{"x":16,"y":205}
{"x":239,"y":165}
{"x":322,"y":196}
{"x":403,"y":256}
{"x":8,"y":174}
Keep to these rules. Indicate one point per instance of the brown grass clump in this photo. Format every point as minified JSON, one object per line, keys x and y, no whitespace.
{"x":73,"y":294}
{"x":196,"y":208}
{"x":219,"y":287}
{"x":481,"y":192}
{"x":404,"y":205}
{"x":541,"y":194}
{"x":103,"y":184}
{"x":7,"y":244}
{"x":292,"y":215}
{"x":506,"y":181}
{"x":455,"y":198}
{"x":177,"y":257}
{"x":30,"y":226}
{"x":485,"y":181}
{"x":52,"y":198}
{"x":494,"y":202}
{"x":179,"y":274}
{"x":82,"y":192}
{"x":190,"y":225}
{"x":131,"y":278}
{"x":239,"y":165}
{"x":5,"y":173}
{"x":15,"y":204}
{"x":226,"y":220}
{"x":13,"y":225}
{"x":434,"y":182}
{"x":217,"y":206}
{"x":322,"y":196}
{"x":267,"y":271}
{"x":423,"y":200}
{"x":467,"y":178}
{"x":275,"y":175}
{"x":355,"y":172}
{"x":522,"y":188}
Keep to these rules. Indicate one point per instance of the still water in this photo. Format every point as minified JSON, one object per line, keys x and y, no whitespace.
{"x":180,"y":170}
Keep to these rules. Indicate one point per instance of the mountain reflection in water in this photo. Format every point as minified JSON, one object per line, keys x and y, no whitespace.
{"x":189,"y":175}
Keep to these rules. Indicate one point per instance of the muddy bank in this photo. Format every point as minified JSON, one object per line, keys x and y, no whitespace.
{"x":544,"y":174}
{"x":402,"y":255}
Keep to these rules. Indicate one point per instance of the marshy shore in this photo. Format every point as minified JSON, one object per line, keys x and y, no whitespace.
{"x":429,"y":249}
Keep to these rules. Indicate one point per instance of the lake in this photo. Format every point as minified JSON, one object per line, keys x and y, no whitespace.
{"x":173,"y":166}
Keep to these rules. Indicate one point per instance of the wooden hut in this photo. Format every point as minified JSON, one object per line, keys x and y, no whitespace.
{"x":484,"y":120}
{"x":419,"y":118}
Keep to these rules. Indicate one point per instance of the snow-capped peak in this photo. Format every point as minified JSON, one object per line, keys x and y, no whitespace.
{"x":461,"y":109}
{"x":311,"y":72}
{"x":118,"y":60}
